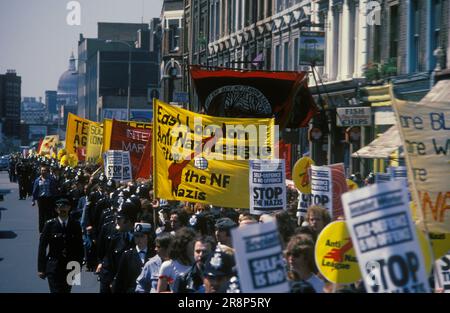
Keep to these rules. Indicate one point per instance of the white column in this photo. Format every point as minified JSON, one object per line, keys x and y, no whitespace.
{"x":362,"y":42}
{"x":345,"y":43}
{"x":330,"y":52}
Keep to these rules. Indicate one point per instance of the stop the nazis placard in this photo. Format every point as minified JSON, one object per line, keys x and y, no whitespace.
{"x":385,"y":239}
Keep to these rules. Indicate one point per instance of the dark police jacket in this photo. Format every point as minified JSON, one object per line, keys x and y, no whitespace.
{"x":64,"y":246}
{"x":130,"y":267}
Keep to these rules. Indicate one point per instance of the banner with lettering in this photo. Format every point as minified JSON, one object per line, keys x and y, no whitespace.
{"x":48,"y":144}
{"x":424,"y":128}
{"x":107,"y":130}
{"x":128,"y":138}
{"x":385,"y":239}
{"x":201,"y":158}
{"x":77,"y":133}
{"x":94,"y":143}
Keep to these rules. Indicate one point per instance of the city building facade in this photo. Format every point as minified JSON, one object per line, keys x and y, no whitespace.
{"x":10,"y":97}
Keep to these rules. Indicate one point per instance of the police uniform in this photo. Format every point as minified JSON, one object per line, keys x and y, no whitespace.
{"x":131,"y":263}
{"x":65,"y":245}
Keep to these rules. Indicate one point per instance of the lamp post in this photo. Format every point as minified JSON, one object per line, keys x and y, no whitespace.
{"x":129,"y":72}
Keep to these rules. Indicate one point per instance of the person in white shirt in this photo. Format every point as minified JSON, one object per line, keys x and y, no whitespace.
{"x":147,"y":281}
{"x":181,"y":259}
{"x":300,"y":261}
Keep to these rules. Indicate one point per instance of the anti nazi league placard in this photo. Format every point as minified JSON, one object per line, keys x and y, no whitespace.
{"x":385,"y":238}
{"x":443,"y":272}
{"x":267,"y":186}
{"x":118,"y":165}
{"x":259,"y":258}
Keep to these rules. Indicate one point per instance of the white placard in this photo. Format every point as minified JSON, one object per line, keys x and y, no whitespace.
{"x":321,"y":187}
{"x":443,"y":272}
{"x":385,"y":239}
{"x":267,"y":185}
{"x":259,"y":258}
{"x":118,"y":165}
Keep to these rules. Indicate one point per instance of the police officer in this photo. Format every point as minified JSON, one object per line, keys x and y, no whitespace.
{"x":62,"y":236}
{"x":44,"y":192}
{"x":218,"y":271}
{"x":133,"y":260}
{"x":120,"y":241}
{"x":22,"y":177}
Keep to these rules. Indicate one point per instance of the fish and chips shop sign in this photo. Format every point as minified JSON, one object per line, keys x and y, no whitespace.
{"x":353,"y":116}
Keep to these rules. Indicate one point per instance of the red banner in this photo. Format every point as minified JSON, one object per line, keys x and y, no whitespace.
{"x":146,"y":163}
{"x":285,"y":152}
{"x":128,"y":138}
{"x":232,"y":93}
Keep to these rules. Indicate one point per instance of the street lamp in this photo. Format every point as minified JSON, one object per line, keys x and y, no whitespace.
{"x":129,"y":71}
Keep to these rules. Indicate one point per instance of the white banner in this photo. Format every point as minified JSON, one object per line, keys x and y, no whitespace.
{"x":304,"y":201}
{"x":385,"y":238}
{"x":443,"y":272}
{"x":424,"y":128}
{"x":259,"y":258}
{"x":267,"y":185}
{"x":321,"y":187}
{"x":118,"y":165}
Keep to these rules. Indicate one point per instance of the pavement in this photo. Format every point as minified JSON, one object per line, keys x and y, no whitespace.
{"x":19,"y":241}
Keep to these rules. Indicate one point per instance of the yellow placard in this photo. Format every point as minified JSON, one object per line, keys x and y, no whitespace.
{"x":193,"y":162}
{"x":300,"y":174}
{"x":335,"y":255}
{"x":48,"y":144}
{"x":351,"y":185}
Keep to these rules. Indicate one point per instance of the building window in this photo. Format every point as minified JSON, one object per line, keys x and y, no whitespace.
{"x":279,"y":5}
{"x":296,"y":54}
{"x":174,"y":35}
{"x":260,"y":9}
{"x":377,"y":43}
{"x":286,"y":56}
{"x":394,"y":25}
{"x":217,"y":19}
{"x":415,"y":36}
{"x":277,"y":58}
{"x":436,"y":23}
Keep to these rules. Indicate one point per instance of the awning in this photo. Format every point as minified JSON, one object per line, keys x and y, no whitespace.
{"x":382,"y":147}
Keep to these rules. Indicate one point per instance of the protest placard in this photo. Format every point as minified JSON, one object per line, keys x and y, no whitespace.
{"x":117,"y":165}
{"x":301,"y":174}
{"x":321,"y":187}
{"x":335,"y":255}
{"x":267,"y":186}
{"x":385,"y":238}
{"x":259,"y":258}
{"x":443,"y":272}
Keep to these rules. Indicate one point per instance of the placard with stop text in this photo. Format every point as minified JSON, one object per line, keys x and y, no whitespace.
{"x":385,"y":240}
{"x":267,"y":184}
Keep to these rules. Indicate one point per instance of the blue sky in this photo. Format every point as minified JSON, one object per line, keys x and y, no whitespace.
{"x":36,"y":40}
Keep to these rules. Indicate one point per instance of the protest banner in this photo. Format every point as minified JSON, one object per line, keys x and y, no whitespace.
{"x":424,"y":129}
{"x":107,"y":130}
{"x":94,"y":143}
{"x":146,"y":163}
{"x":127,"y":138}
{"x":339,"y":186}
{"x":321,"y":187}
{"x":385,"y":239}
{"x":259,"y":258}
{"x":77,"y":133}
{"x":267,"y":186}
{"x":117,"y":165}
{"x":443,"y":272}
{"x":204,"y":159}
{"x":48,"y":144}
{"x":301,"y":174}
{"x":335,"y":255}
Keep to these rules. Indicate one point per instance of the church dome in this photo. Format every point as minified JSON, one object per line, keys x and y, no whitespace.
{"x":68,"y":82}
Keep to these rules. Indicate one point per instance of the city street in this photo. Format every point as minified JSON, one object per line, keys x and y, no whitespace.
{"x":19,"y":240}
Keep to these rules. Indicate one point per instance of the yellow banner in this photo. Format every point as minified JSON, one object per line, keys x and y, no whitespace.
{"x":48,"y":144}
{"x":107,"y":129}
{"x":200,"y":158}
{"x":77,"y":135}
{"x":94,"y":143}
